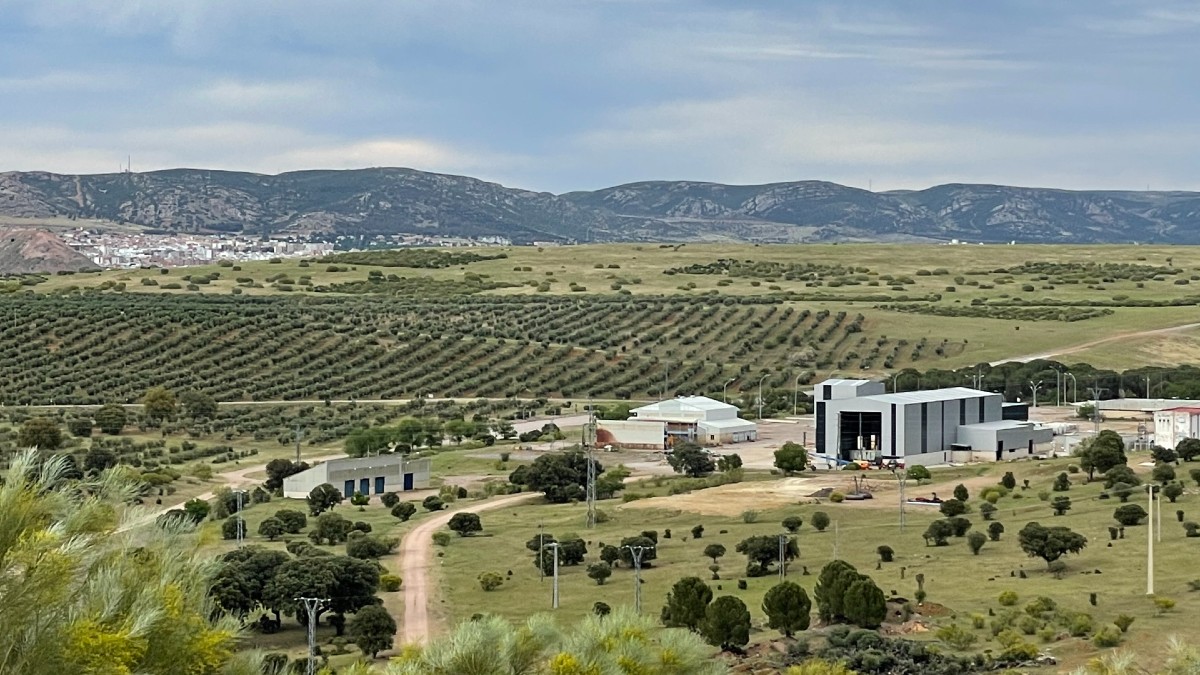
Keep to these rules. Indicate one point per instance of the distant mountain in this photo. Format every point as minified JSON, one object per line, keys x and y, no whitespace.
{"x":368,"y":202}
{"x":28,"y":251}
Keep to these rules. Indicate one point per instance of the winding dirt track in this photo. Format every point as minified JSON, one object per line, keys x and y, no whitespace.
{"x":416,"y":561}
{"x":1094,"y":343}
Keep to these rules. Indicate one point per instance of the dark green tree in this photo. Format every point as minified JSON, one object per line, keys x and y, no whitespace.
{"x":159,"y":405}
{"x":41,"y":433}
{"x":1009,"y":481}
{"x":692,"y":460}
{"x":1163,"y":473}
{"x":1049,"y":543}
{"x":938,"y":532}
{"x":432,"y":503}
{"x":952,"y":507}
{"x":278,"y":469}
{"x":686,"y":603}
{"x":791,"y":458}
{"x":323,"y":498}
{"x":404,"y":510}
{"x":599,"y":572}
{"x":820,"y":520}
{"x":562,"y":477}
{"x":198,"y":405}
{"x":787,"y":607}
{"x":330,"y":528}
{"x":465,"y":523}
{"x":1121,"y":474}
{"x":729,"y":462}
{"x":727,"y":623}
{"x":714,"y":551}
{"x":111,"y":418}
{"x":1102,"y":452}
{"x":649,"y":552}
{"x":959,"y":525}
{"x":1062,"y":482}
{"x":975,"y":541}
{"x":1129,"y":514}
{"x":1173,"y":490}
{"x":865,"y":604}
{"x":995,"y":530}
{"x":918,"y":473}
{"x":197,"y":509}
{"x":98,"y":459}
{"x":960,"y":493}
{"x":762,"y":551}
{"x":292,"y":521}
{"x":1163,"y":455}
{"x":1061,"y":505}
{"x":390,"y":500}
{"x":229,"y":528}
{"x":80,"y":427}
{"x":987,"y":510}
{"x":369,"y":548}
{"x":270,"y":528}
{"x":1188,"y":449}
{"x":835,"y":578}
{"x":373,"y":629}
{"x":793,"y":523}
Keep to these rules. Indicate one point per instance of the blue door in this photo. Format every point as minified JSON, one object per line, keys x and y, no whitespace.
{"x":349,"y":489}
{"x":364,"y":486}
{"x":379,"y":485}
{"x":408,"y":481}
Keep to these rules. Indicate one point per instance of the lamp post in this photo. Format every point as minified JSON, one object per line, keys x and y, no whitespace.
{"x":1074,"y":388}
{"x":554,"y":597}
{"x":760,"y":398}
{"x":1035,"y":386}
{"x":796,"y":396}
{"x":727,"y":383}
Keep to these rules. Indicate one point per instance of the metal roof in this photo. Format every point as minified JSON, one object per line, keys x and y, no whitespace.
{"x":928,"y":395}
{"x":693,"y":403}
{"x":999,"y":425}
{"x":1184,"y":408}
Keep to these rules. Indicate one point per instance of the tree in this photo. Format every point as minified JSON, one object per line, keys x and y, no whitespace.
{"x":373,"y":629}
{"x":432,"y":503}
{"x":995,"y":530}
{"x":270,"y":528}
{"x":686,"y":603}
{"x":975,"y":541}
{"x":98,"y":459}
{"x":729,"y":462}
{"x":820,"y":520}
{"x":159,"y":405}
{"x":1061,"y":505}
{"x":465,"y":524}
{"x":952,"y":507}
{"x":323,"y":498}
{"x":75,"y":589}
{"x":350,"y":585}
{"x":292,"y":521}
{"x":1163,"y":473}
{"x":41,"y":433}
{"x":791,"y":458}
{"x":864,"y":604}
{"x":490,"y":581}
{"x":561,"y":477}
{"x":457,"y":430}
{"x":1049,"y":543}
{"x":886,"y":553}
{"x":1162,"y":455}
{"x":987,"y":510}
{"x":787,"y":607}
{"x":649,"y":550}
{"x":792,"y":523}
{"x":111,"y":418}
{"x":918,"y":473}
{"x":714,"y":551}
{"x":1062,"y":482}
{"x":1102,"y":452}
{"x":571,"y":550}
{"x":390,"y":500}
{"x":278,"y":469}
{"x":404,"y":510}
{"x":1173,"y":491}
{"x":762,"y":551}
{"x":197,"y":509}
{"x":198,"y":405}
{"x":80,"y":427}
{"x":599,"y":572}
{"x":1009,"y":481}
{"x":330,"y":528}
{"x":959,"y":525}
{"x":960,"y":493}
{"x":727,"y":623}
{"x":938,"y":532}
{"x":372,"y":440}
{"x":610,"y":554}
{"x":1121,"y":474}
{"x":1188,"y":449}
{"x":359,"y":499}
{"x":835,"y":579}
{"x":369,"y":548}
{"x":1129,"y":514}
{"x":692,"y":460}
{"x":232,"y":526}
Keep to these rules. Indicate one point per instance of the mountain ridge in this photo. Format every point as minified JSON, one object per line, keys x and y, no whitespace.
{"x":366,"y":203}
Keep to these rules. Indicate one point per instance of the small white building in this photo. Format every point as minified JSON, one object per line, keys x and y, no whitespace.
{"x":699,"y":419}
{"x":373,"y":475}
{"x":1175,"y":424}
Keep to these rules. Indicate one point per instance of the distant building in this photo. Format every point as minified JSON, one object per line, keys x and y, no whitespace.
{"x":371,"y":475}
{"x":698,"y":419}
{"x":1175,"y":424}
{"x":856,"y":420}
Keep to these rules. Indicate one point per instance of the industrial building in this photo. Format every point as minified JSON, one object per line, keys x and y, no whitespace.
{"x":698,"y":419}
{"x":373,"y":475}
{"x":857,"y":420}
{"x":1175,"y":424}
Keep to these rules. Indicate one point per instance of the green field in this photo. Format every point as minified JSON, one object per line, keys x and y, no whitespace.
{"x":629,"y":321}
{"x":958,"y":583}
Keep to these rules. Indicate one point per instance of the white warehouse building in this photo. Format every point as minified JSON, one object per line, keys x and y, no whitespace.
{"x":857,"y":421}
{"x":1175,"y":424}
{"x":372,"y":475}
{"x":698,"y":419}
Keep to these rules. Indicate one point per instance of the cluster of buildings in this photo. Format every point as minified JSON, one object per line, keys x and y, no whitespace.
{"x":114,"y":250}
{"x":372,"y":475}
{"x":698,"y":419}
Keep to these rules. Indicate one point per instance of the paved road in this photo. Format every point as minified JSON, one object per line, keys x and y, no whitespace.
{"x":416,"y":560}
{"x":1088,"y":345}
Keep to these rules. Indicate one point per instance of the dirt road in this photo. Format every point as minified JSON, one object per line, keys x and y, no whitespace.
{"x":416,"y":560}
{"x":1095,"y":343}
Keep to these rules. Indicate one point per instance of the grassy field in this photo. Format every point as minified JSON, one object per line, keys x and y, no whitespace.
{"x":957,"y":582}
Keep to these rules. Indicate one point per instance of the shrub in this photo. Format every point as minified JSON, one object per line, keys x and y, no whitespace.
{"x":404,"y":510}
{"x":960,"y":492}
{"x":976,"y":540}
{"x":792,"y":523}
{"x":1107,"y":636}
{"x":837,"y":497}
{"x":601,"y":609}
{"x":820,"y":520}
{"x":441,"y":538}
{"x":1081,"y":624}
{"x":1123,"y":621}
{"x":490,"y":581}
{"x":1062,"y":483}
{"x":956,"y":636}
{"x":389,"y":583}
{"x":1163,"y":605}
{"x":885,"y":553}
{"x":987,"y":510}
{"x":390,"y":499}
{"x":433,"y":503}
{"x":697,"y":532}
{"x":1008,"y":598}
{"x":1191,"y":529}
{"x":1129,"y":514}
{"x":750,"y":516}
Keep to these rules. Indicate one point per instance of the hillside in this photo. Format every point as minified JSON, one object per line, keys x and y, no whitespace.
{"x":26,"y":251}
{"x":384,"y":201}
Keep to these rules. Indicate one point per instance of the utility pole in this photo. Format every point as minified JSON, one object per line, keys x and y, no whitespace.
{"x":589,"y":444}
{"x":901,"y":478}
{"x":554,"y":597}
{"x":1158,"y":522}
{"x":760,"y":398}
{"x":796,"y":396}
{"x":298,"y":435}
{"x":636,"y":552}
{"x":1150,"y":544}
{"x":666,"y":377}
{"x":836,"y":538}
{"x":241,"y":524}
{"x":1074,"y":388}
{"x":541,"y":551}
{"x":782,"y":559}
{"x":310,"y":608}
{"x":1096,"y":391}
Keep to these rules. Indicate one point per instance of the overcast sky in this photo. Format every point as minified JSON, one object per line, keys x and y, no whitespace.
{"x":571,"y":95}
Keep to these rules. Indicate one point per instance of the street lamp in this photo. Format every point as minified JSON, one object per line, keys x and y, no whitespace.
{"x":727,"y":383}
{"x":1034,"y":386}
{"x":760,"y":398}
{"x":796,"y":396}
{"x":1074,"y":387}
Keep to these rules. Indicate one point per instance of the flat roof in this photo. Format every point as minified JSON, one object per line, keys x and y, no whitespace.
{"x":840,"y":381}
{"x":1195,"y":410}
{"x":728,"y":424}
{"x":691,"y":403}
{"x":999,"y":425}
{"x":926,"y":396}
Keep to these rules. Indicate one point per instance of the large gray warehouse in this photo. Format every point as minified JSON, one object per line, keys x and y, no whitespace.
{"x":857,"y":421}
{"x":371,"y":475}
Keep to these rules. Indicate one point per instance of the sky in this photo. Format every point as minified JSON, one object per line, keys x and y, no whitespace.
{"x":564,"y":95}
